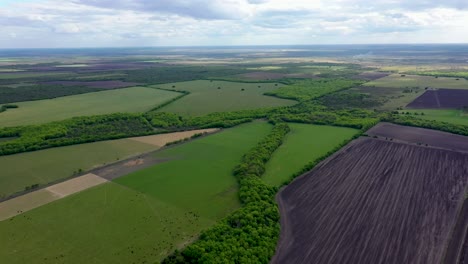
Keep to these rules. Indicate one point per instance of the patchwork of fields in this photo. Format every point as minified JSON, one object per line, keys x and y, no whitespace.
{"x":402,"y":209}
{"x":137,"y":99}
{"x":141,"y":217}
{"x":219,"y":96}
{"x":46,"y":166}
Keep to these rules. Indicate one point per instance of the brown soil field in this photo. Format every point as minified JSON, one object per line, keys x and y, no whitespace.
{"x":44,"y":196}
{"x":371,"y":75}
{"x":95,"y":84}
{"x":441,"y":98}
{"x":375,"y":202}
{"x":162,"y":139}
{"x":419,"y":136}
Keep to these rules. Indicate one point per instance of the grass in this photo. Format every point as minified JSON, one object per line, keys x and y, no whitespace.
{"x":106,"y":224}
{"x":141,"y":217}
{"x":45,"y":166}
{"x":397,"y":81}
{"x":304,"y":144}
{"x":5,"y":76}
{"x":200,"y":171}
{"x":205,"y":97}
{"x":443,"y":115}
{"x":136,"y":99}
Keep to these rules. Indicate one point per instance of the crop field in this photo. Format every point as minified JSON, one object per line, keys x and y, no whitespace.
{"x":441,"y":98}
{"x":444,"y":115}
{"x":205,"y":97}
{"x":352,"y":209}
{"x":95,"y":84}
{"x":410,"y":81}
{"x":22,"y":75}
{"x":141,"y":217}
{"x":303,"y":144}
{"x":420,"y":136}
{"x":45,"y":166}
{"x":137,"y":99}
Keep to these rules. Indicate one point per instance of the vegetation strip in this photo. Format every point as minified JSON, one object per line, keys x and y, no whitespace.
{"x":249,"y":234}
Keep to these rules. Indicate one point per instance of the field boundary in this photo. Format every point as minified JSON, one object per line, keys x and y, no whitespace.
{"x":32,"y":200}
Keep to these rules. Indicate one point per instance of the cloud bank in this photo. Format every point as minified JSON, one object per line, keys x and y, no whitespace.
{"x":94,"y":23}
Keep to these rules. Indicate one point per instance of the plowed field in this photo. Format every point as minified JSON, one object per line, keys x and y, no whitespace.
{"x":376,"y":201}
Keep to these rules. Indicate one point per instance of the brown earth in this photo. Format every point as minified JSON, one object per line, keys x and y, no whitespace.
{"x":441,"y":98}
{"x":375,"y":202}
{"x":371,"y":75}
{"x":419,"y":136}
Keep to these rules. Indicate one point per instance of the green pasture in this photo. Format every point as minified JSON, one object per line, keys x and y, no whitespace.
{"x":45,"y":166}
{"x":444,"y":115}
{"x":139,"y":218}
{"x":200,"y":171}
{"x":399,"y":81}
{"x":5,"y":76}
{"x":205,"y":97}
{"x":304,"y":144}
{"x":136,"y":99}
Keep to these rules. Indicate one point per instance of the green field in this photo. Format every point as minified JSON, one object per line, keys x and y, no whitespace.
{"x":205,"y":97}
{"x":5,"y":76}
{"x":45,"y":166}
{"x":443,"y":115}
{"x":136,"y":99}
{"x":304,"y":144}
{"x":141,"y":217}
{"x":397,"y":81}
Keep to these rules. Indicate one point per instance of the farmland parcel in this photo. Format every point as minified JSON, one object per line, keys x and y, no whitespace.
{"x":376,"y":201}
{"x":145,"y":215}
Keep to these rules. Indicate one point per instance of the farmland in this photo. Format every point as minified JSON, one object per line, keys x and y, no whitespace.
{"x":304,"y":144}
{"x":444,"y":115}
{"x":219,"y":96}
{"x":121,"y":100}
{"x":154,"y":210}
{"x":411,"y":81}
{"x":441,"y":98}
{"x":399,"y":210}
{"x":46,"y":166}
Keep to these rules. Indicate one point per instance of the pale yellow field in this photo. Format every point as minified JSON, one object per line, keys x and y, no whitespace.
{"x":52,"y":193}
{"x":162,"y":139}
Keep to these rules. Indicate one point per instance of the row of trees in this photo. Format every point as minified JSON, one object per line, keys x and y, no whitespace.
{"x":250,"y":234}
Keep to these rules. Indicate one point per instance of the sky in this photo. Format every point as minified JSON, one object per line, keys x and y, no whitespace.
{"x":133,"y":23}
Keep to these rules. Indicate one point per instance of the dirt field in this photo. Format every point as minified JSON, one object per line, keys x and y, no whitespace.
{"x":162,"y":139}
{"x":375,"y":202}
{"x":419,"y":136}
{"x":41,"y":197}
{"x":441,"y":98}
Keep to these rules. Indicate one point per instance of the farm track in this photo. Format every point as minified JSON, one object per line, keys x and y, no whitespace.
{"x":373,"y":202}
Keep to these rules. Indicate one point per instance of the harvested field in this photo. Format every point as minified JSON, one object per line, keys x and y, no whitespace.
{"x":95,"y":84}
{"x":162,"y":139}
{"x":41,"y":197}
{"x":441,"y":98}
{"x":371,"y":75}
{"x":374,"y":202}
{"x":420,"y":136}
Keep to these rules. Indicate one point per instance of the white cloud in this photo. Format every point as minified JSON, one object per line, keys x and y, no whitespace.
{"x":55,"y":23}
